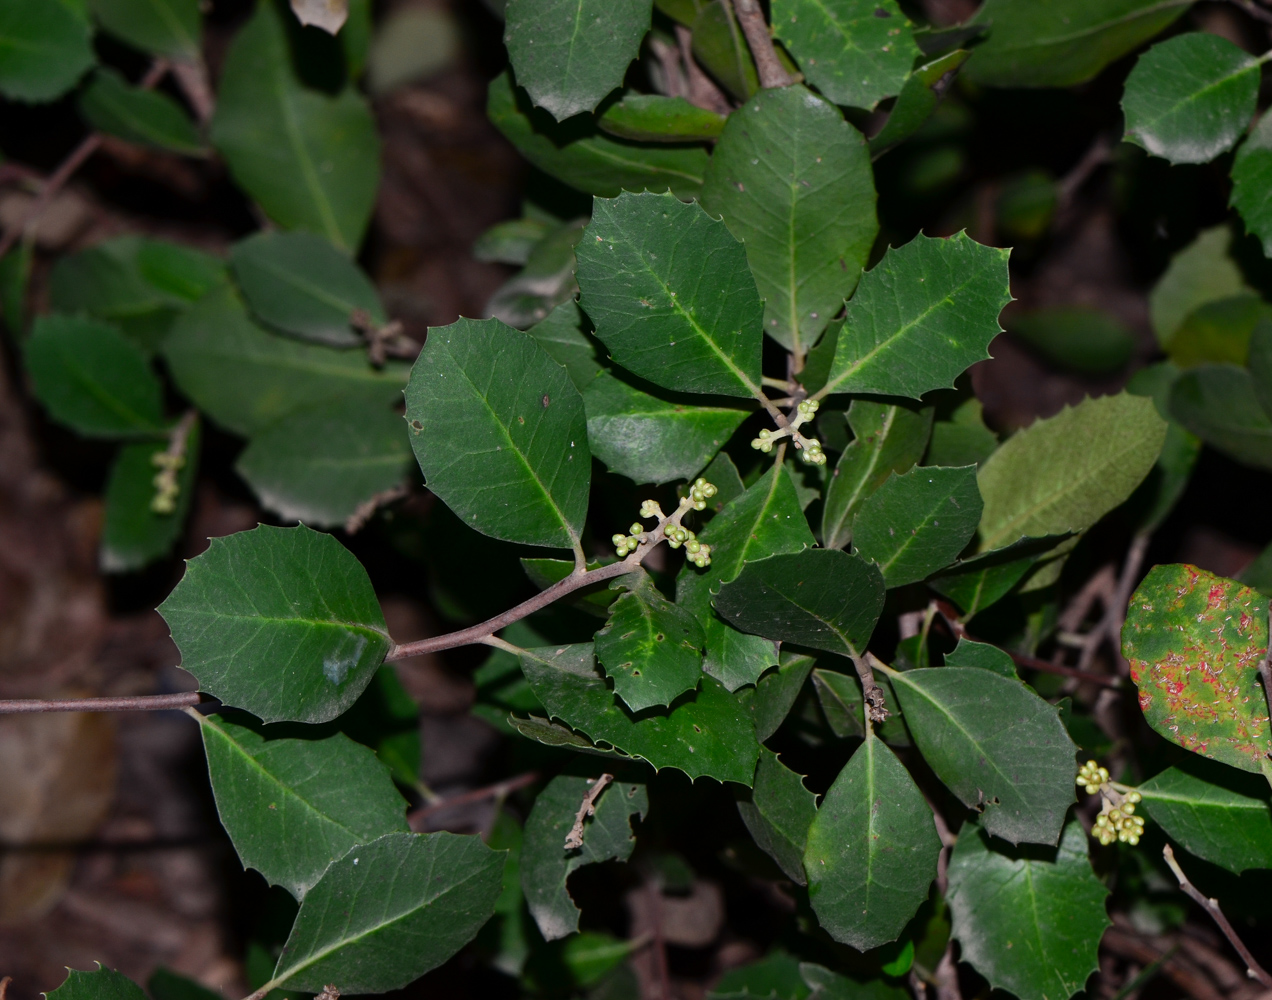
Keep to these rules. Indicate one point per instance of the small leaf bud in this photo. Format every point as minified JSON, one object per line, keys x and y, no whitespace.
{"x":650,"y":508}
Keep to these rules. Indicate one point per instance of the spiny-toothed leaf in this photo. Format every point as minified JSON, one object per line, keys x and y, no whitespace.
{"x":887,"y":438}
{"x":763,"y":521}
{"x":293,"y":806}
{"x":406,"y":903}
{"x":919,"y":96}
{"x":282,"y":622}
{"x":1220,"y":404}
{"x":546,"y":864}
{"x":569,"y":54}
{"x":792,"y":181}
{"x":650,"y":648}
{"x":776,"y":692}
{"x":708,"y":733}
{"x":671,"y":295}
{"x":920,"y":318}
{"x":100,"y":984}
{"x":565,"y":333}
{"x":1189,"y":98}
{"x":500,"y":433}
{"x":1194,"y":641}
{"x":821,"y":598}
{"x":872,"y":850}
{"x":1029,"y":919}
{"x":656,"y":118}
{"x":145,"y":117}
{"x":650,"y":439}
{"x":917,"y":523}
{"x":856,"y":52}
{"x":1225,"y":820}
{"x":778,"y":811}
{"x":996,"y":745}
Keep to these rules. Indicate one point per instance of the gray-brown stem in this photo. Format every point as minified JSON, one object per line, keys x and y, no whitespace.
{"x":767,"y":65}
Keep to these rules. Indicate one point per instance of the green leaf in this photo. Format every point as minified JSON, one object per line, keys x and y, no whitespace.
{"x":1225,"y":821}
{"x":821,"y":598}
{"x":996,"y":745}
{"x":724,"y":476}
{"x":671,"y":295}
{"x":843,"y":705}
{"x":856,"y":52}
{"x":1060,"y":43}
{"x":1220,"y":404}
{"x":45,"y":47}
{"x":566,"y":335}
{"x":709,"y":733}
{"x":500,"y":432}
{"x":1251,"y":182}
{"x":919,"y":97}
{"x":650,"y":648}
{"x":872,"y":850}
{"x":1028,"y":919}
{"x":887,"y":438}
{"x":310,"y":160}
{"x":569,"y":54}
{"x":916,"y":523}
{"x":776,"y":976}
{"x":1201,"y":272}
{"x":721,"y":47}
{"x":546,"y":282}
{"x":406,"y":902}
{"x":778,"y":812}
{"x":1194,"y":641}
{"x":145,"y":117}
{"x":982,"y":655}
{"x":1189,"y":98}
{"x":1078,"y":338}
{"x":763,"y":521}
{"x":776,"y":692}
{"x":649,"y":439}
{"x":164,"y":984}
{"x":134,"y":534}
{"x":545,"y":863}
{"x":976,"y":583}
{"x":792,"y":181}
{"x":1159,"y":493}
{"x":246,"y":379}
{"x":160,"y":27}
{"x":920,"y":317}
{"x":1219,"y":331}
{"x":655,"y":118}
{"x":1259,"y":364}
{"x":577,"y":154}
{"x":828,"y":985}
{"x":511,"y":242}
{"x":292,"y":807}
{"x":320,"y":464}
{"x":1064,"y":473}
{"x":100,"y":984}
{"x":301,"y":284}
{"x":93,"y":380}
{"x":281,"y":622}
{"x":963,"y":439}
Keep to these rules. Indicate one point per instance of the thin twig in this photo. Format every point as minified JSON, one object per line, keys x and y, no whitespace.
{"x":946,"y":976}
{"x":4,"y":986}
{"x":502,"y":789}
{"x":873,"y":694}
{"x":673,"y":72}
{"x":760,"y":41}
{"x":574,"y":839}
{"x":948,"y":840}
{"x":137,"y":703}
{"x":1253,"y":969}
{"x":363,"y":513}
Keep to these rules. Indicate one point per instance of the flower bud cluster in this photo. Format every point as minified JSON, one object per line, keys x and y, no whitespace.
{"x":1117,"y":819}
{"x":671,"y":529}
{"x":623,"y":544}
{"x":810,"y":449}
{"x":698,"y":553}
{"x":1092,"y":777}
{"x":699,"y":493}
{"x":167,"y":486}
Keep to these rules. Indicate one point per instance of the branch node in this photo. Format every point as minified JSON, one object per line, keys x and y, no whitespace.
{"x":574,"y":839}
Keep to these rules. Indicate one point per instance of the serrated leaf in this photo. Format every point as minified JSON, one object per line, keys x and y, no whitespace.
{"x":775,"y":693}
{"x":164,"y":984}
{"x":792,"y":181}
{"x":566,"y":335}
{"x":708,"y":733}
{"x":1201,"y":272}
{"x":1028,"y":919}
{"x":872,"y":850}
{"x":1061,"y":43}
{"x":319,"y":464}
{"x":92,"y":379}
{"x":778,"y":812}
{"x":763,"y":521}
{"x":650,"y":648}
{"x":312,"y":161}
{"x":887,"y":438}
{"x":671,"y":295}
{"x":545,"y":863}
{"x":1194,"y":641}
{"x":843,"y":705}
{"x":916,"y":523}
{"x":655,"y":118}
{"x":856,"y":52}
{"x":578,"y":154}
{"x":145,"y":117}
{"x":500,"y":433}
{"x":246,"y":379}
{"x":1189,"y":98}
{"x":100,"y":984}
{"x":569,"y":54}
{"x":821,"y":598}
{"x":161,"y":27}
{"x":301,"y":284}
{"x":407,"y":903}
{"x":995,"y":744}
{"x":1226,"y":821}
{"x":919,"y":97}
{"x":982,"y":655}
{"x":282,"y":622}
{"x":1252,"y":183}
{"x":1064,"y":473}
{"x":650,"y":439}
{"x":921,"y":316}
{"x":293,"y":806}
{"x":44,"y":48}
{"x":134,"y":534}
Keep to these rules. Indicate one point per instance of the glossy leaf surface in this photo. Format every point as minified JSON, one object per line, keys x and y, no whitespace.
{"x":145,"y":117}
{"x":565,"y":333}
{"x":776,"y":691}
{"x":656,"y":118}
{"x":1252,"y":182}
{"x":281,"y":622}
{"x":1228,"y":824}
{"x":778,"y":813}
{"x":919,"y":96}
{"x":983,"y":655}
{"x":44,"y":48}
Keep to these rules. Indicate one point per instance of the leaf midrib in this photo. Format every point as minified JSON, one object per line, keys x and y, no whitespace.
{"x":110,"y":402}
{"x":296,"y":140}
{"x":296,"y":281}
{"x":1197,"y":95}
{"x":882,"y":438}
{"x":1127,"y":18}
